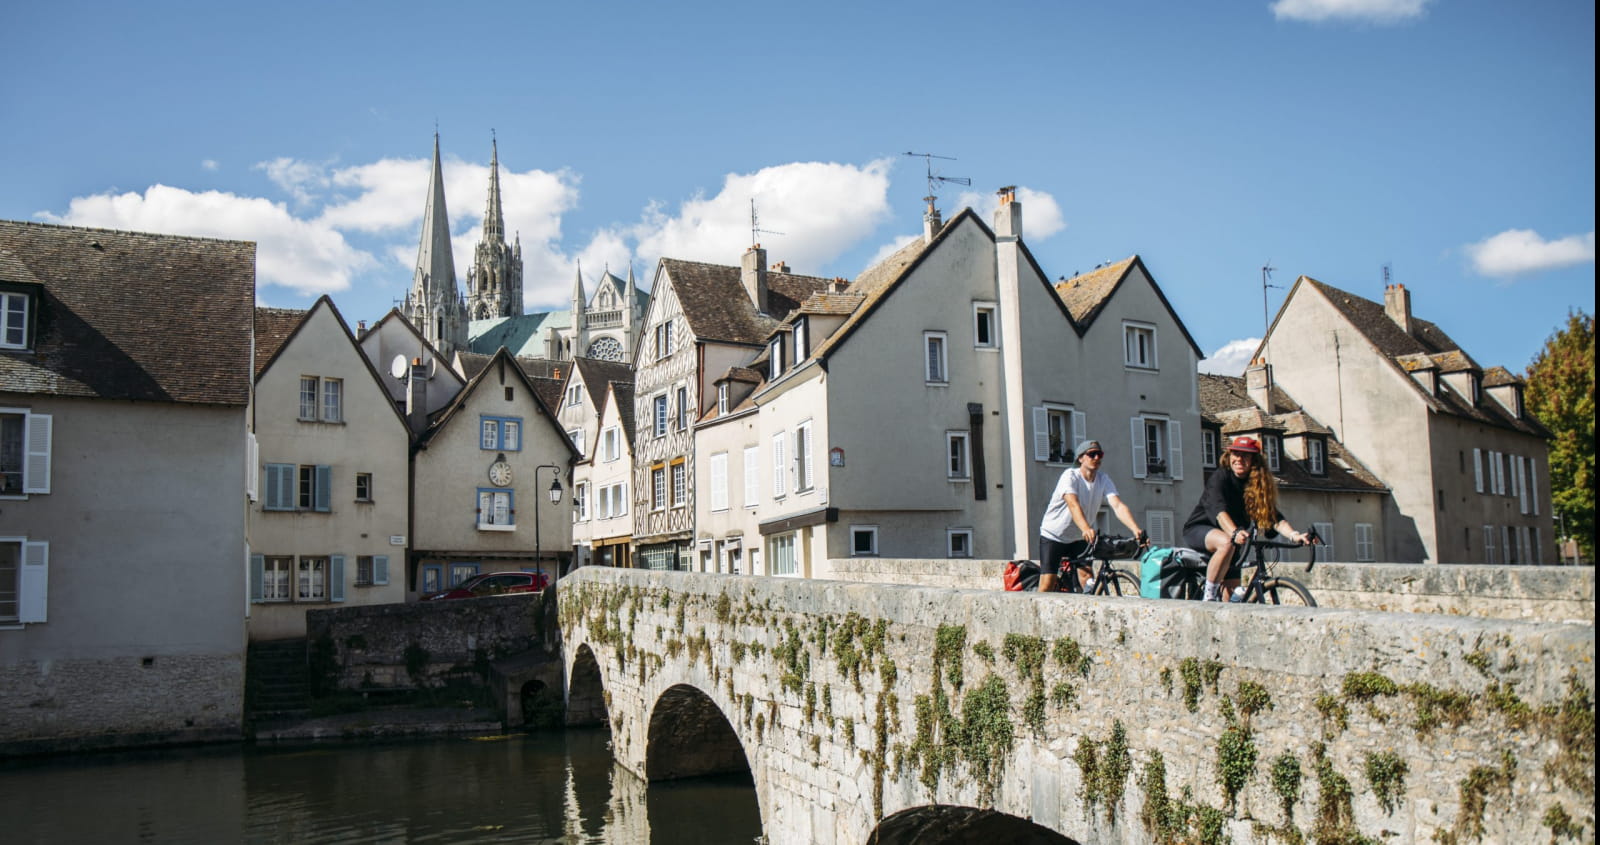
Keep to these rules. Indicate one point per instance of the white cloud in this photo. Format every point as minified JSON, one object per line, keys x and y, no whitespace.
{"x":1231,"y":358}
{"x":1521,"y":252}
{"x":889,"y":249}
{"x":307,"y":256}
{"x":209,"y":164}
{"x":1041,"y":214}
{"x":1368,"y":11}
{"x":302,"y":180}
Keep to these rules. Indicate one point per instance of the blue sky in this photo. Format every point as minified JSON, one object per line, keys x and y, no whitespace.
{"x":1451,"y":141}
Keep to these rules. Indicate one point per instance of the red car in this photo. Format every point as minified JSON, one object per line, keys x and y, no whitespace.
{"x":494,"y":584}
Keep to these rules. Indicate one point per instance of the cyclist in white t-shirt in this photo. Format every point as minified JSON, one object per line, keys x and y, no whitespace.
{"x":1068,"y":525}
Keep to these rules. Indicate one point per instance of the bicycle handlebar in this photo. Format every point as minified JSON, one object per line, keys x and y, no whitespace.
{"x":1257,"y":543}
{"x":1107,"y":547}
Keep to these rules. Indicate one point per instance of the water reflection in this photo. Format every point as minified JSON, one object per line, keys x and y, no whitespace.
{"x":555,"y":788}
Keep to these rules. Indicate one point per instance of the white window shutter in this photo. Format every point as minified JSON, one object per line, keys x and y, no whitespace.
{"x":779,"y":466}
{"x":336,"y":577}
{"x":1041,"y":434}
{"x":34,"y":583}
{"x":36,"y":472}
{"x":810,"y":466}
{"x":1323,"y":552}
{"x":1538,"y":546}
{"x":1137,"y":429}
{"x":258,"y":567}
{"x":1174,"y":450}
{"x":1477,"y":470}
{"x":1522,"y":484}
{"x":252,"y":468}
{"x":380,"y":569}
{"x":1080,"y":427}
{"x":1533,"y":489}
{"x":752,"y":475}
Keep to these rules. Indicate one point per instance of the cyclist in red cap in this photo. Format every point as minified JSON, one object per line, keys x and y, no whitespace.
{"x":1240,"y":492}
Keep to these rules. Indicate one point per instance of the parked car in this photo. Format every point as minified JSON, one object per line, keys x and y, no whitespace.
{"x":494,"y":584}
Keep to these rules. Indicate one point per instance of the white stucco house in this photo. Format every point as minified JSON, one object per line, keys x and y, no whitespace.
{"x":582,"y":410}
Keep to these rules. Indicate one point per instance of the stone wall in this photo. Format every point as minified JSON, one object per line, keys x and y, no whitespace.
{"x":1106,"y":720}
{"x":402,"y":646}
{"x":1530,"y":593}
{"x":121,"y":702}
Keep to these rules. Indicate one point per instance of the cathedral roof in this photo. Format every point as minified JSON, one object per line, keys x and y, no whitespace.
{"x":524,"y":335}
{"x":131,"y":315}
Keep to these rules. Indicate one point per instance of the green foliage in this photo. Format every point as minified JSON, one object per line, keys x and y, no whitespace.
{"x":983,"y":650}
{"x":1560,"y":394}
{"x":1481,"y":661}
{"x":1436,"y":706}
{"x":1253,"y":698}
{"x":1504,"y":698}
{"x":724,"y":608}
{"x":1166,"y":679}
{"x":1365,"y":686}
{"x":1026,"y":653}
{"x":1070,"y":656}
{"x":1386,"y":772}
{"x":1236,"y":761}
{"x":1475,"y":789}
{"x":1561,"y":825}
{"x":1062,"y":695}
{"x":948,"y":643}
{"x":1189,"y":669}
{"x":1333,"y":711}
{"x":1105,"y":767}
{"x":1572,"y":724}
{"x":1285,"y":775}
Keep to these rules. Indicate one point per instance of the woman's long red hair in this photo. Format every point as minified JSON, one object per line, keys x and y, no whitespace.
{"x":1260,"y":489}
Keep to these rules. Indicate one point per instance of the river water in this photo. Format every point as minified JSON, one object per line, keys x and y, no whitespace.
{"x":558,"y":787}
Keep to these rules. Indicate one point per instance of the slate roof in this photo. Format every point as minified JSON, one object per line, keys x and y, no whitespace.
{"x":875,"y":283}
{"x":524,"y":335}
{"x":540,"y":388}
{"x":597,"y":374}
{"x":549,"y":389}
{"x":624,"y":394}
{"x":836,"y":304}
{"x":131,"y":315}
{"x":1499,"y":377}
{"x":1226,"y":400}
{"x":273,"y":328}
{"x":1406,"y":351}
{"x":717,"y":308}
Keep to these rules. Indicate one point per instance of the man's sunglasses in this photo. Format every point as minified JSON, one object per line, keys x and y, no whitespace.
{"x":1095,"y":454}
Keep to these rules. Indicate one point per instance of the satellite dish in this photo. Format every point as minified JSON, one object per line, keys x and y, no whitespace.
{"x":433,"y":368}
{"x":399,"y":367}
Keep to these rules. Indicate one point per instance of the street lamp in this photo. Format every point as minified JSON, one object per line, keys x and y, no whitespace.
{"x":555,"y":499}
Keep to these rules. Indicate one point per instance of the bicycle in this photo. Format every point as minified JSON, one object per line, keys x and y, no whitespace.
{"x":1108,"y":580}
{"x":1265,"y":587}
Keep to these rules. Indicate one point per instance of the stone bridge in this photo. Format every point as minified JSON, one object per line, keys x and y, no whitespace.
{"x":907,"y":714}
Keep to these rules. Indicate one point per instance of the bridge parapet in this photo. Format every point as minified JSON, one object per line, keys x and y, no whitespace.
{"x":1104,"y":720}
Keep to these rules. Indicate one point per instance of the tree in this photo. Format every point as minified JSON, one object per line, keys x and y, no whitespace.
{"x":1560,"y":393}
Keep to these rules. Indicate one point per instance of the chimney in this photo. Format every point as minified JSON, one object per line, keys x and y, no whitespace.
{"x":1258,"y":384}
{"x":1397,"y":304}
{"x":361,"y":329}
{"x":1008,"y":217}
{"x":780,"y":267}
{"x":417,"y":396}
{"x":839,"y":284}
{"x":753,"y":272}
{"x":931,"y":222}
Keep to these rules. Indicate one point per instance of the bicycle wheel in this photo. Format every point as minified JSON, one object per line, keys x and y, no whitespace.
{"x":1286,"y":591}
{"x":1121,"y":584}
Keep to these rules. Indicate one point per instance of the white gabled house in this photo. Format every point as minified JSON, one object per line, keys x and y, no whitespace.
{"x":581,"y":406}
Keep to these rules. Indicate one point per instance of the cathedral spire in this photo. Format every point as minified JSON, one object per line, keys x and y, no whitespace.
{"x":494,"y":224}
{"x":579,"y":298}
{"x":435,"y":276}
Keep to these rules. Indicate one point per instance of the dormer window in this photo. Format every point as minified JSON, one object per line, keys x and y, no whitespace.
{"x":1316,"y":460}
{"x":802,"y":340}
{"x":775,"y":358}
{"x":722,"y":399}
{"x":1272,"y":448}
{"x":16,"y":320}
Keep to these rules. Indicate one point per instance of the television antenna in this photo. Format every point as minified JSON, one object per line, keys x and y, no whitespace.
{"x":1266,"y":275}
{"x":934,"y":179}
{"x":755,"y":226}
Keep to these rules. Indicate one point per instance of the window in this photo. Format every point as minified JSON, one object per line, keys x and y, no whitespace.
{"x":958,"y":542}
{"x":580,"y":502}
{"x":332,"y":400}
{"x":1315,"y":463}
{"x":1508,"y":537}
{"x":719,"y":481}
{"x":660,"y":414}
{"x":14,"y":323}
{"x":1159,"y":525}
{"x":1324,"y":552}
{"x":1139,"y":345}
{"x":574,"y":394}
{"x":722,"y":399}
{"x":432,"y":578}
{"x":311,"y":579}
{"x":1489,"y":545}
{"x":1271,"y":448}
{"x":863,"y":540}
{"x":802,"y":340}
{"x":577,"y":438}
{"x":1157,"y":448}
{"x":495,"y":511}
{"x":277,"y":575}
{"x":1477,"y":470}
{"x":683,"y":408}
{"x":500,"y":434}
{"x":1364,"y":544}
{"x":752,"y":476}
{"x":680,"y":483}
{"x":779,"y":467}
{"x":1057,"y":429}
{"x":658,"y":488}
{"x":363,"y":486}
{"x":781,"y":555}
{"x":315,"y":489}
{"x":936,"y":368}
{"x":612,"y":501}
{"x":321,"y":399}
{"x":1208,"y":448}
{"x":24,"y":452}
{"x":985,"y":331}
{"x":372,"y":570}
{"x":663,"y":340}
{"x":958,"y":464}
{"x":775,"y":358}
{"x":802,"y":457}
{"x":308,"y":398}
{"x":611,"y":444}
{"x":24,"y":580}
{"x":460,"y":572}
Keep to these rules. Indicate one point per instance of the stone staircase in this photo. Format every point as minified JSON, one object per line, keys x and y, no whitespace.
{"x":276,"y":679}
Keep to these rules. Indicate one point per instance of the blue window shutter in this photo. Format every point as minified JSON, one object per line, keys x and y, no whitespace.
{"x":380,"y":569}
{"x":324,"y":502}
{"x":34,"y":582}
{"x":336,"y":578}
{"x":258,"y":565}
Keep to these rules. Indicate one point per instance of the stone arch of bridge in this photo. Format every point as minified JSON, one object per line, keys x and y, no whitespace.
{"x":586,"y":694}
{"x":690,"y":736}
{"x":945,"y":824}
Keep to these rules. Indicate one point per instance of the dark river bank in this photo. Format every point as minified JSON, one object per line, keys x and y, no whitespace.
{"x":560,"y":787}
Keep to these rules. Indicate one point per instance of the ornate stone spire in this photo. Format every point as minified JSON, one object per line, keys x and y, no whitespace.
{"x":494,"y":287}
{"x":494,"y":223}
{"x":435,"y":276}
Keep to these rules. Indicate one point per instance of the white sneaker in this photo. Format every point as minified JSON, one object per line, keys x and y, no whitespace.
{"x":1212,"y":593}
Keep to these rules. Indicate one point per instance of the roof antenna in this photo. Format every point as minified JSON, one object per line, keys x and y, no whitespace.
{"x":934,"y":179}
{"x":1266,"y":274}
{"x":755,"y":226}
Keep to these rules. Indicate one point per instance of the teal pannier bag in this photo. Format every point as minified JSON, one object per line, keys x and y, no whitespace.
{"x":1150,"y":571}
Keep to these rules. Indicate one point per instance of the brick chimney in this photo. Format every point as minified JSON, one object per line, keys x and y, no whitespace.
{"x":1397,"y":304}
{"x":1008,"y":217}
{"x":753,"y":272}
{"x":1258,"y":384}
{"x":417,"y":396}
{"x":780,"y":267}
{"x":931,"y":222}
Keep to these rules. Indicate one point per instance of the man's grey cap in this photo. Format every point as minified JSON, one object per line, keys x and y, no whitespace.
{"x":1086,"y":446}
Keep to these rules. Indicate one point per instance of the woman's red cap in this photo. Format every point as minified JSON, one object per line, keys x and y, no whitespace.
{"x":1244,"y":444}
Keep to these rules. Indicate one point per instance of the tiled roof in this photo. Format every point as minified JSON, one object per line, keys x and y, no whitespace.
{"x":742,"y":374}
{"x":1225,"y":399}
{"x":1499,"y":377}
{"x":549,"y":389}
{"x":597,"y":374}
{"x":273,"y":327}
{"x":875,"y":283}
{"x":131,"y":315}
{"x":473,"y":362}
{"x":1086,"y":294}
{"x":831,"y":303}
{"x":717,"y":308}
{"x":624,"y":394}
{"x":546,"y":392}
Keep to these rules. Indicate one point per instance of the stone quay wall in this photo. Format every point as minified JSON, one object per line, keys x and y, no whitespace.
{"x":120,"y":702}
{"x":1528,"y":593}
{"x":405,"y":646}
{"x":1106,"y":720}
